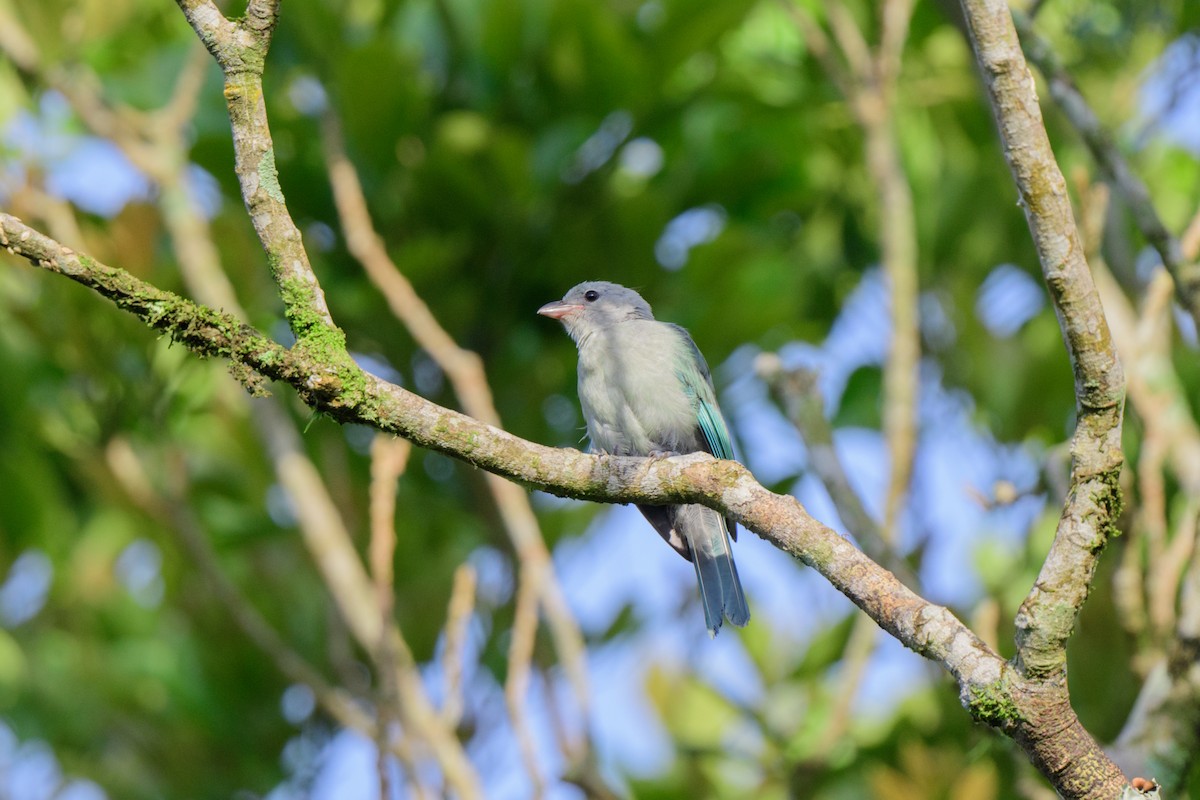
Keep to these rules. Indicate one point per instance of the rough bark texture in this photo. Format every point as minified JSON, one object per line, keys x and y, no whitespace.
{"x":1051,"y":733}
{"x":240,"y":48}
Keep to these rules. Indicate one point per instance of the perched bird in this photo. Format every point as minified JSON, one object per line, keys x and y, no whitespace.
{"x":646,"y":391}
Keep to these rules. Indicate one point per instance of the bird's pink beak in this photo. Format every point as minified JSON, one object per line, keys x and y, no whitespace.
{"x":558,"y":309}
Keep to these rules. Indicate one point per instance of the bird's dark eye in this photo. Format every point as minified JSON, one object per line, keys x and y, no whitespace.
{"x":591,"y":295}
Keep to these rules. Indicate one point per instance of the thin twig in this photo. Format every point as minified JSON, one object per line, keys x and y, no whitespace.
{"x":130,"y":473}
{"x":458,"y":619}
{"x":389,"y":456}
{"x":15,"y":41}
{"x":1189,"y":243}
{"x":1160,"y":737}
{"x":1188,"y":625}
{"x":899,"y":250}
{"x":181,"y":108}
{"x":851,"y":42}
{"x":895,"y":16}
{"x":862,"y":642}
{"x":516,"y":685}
{"x":820,"y":46}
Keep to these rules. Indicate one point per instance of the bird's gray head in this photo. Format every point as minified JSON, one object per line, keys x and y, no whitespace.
{"x":595,"y":305}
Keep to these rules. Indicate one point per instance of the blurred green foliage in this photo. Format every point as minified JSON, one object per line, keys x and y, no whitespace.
{"x":498,"y":144}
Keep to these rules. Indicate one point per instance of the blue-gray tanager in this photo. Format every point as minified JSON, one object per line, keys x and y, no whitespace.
{"x":646,"y":391}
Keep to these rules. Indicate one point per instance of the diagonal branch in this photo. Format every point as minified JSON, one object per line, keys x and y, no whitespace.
{"x":210,"y":332}
{"x":389,"y":458}
{"x":1099,"y":382}
{"x":1160,"y":737}
{"x":130,"y":473}
{"x":797,"y":394}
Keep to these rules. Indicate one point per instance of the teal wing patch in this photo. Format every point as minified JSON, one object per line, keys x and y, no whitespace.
{"x":712,"y":425}
{"x":698,"y":384}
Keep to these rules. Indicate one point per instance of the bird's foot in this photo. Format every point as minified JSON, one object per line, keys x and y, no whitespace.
{"x":659,"y":455}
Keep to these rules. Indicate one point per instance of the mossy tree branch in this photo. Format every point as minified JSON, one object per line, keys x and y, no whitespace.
{"x":240,"y":48}
{"x":1047,"y":617}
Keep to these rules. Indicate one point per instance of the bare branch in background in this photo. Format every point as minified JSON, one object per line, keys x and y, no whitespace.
{"x":389,"y":457}
{"x":172,"y":510}
{"x":898,"y":239}
{"x":863,"y":638}
{"x":516,"y":684}
{"x":1190,"y":241}
{"x":868,"y":83}
{"x":126,"y":466}
{"x":1157,"y":601}
{"x":458,"y":619}
{"x":333,"y":551}
{"x":1184,"y":271}
{"x":1160,"y":737}
{"x":537,"y":583}
{"x":798,"y":395}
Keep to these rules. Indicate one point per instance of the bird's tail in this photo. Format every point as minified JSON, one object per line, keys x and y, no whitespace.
{"x":720,"y":589}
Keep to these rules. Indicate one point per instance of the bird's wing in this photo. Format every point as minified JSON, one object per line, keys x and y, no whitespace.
{"x":697,"y":382}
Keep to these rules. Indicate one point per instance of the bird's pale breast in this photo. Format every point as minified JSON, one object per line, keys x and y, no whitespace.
{"x":632,"y":397}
